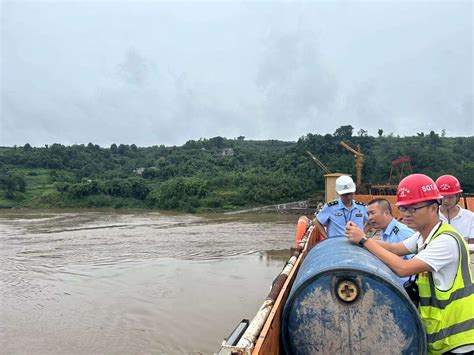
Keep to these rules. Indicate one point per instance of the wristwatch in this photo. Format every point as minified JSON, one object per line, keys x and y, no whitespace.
{"x":363,"y":240}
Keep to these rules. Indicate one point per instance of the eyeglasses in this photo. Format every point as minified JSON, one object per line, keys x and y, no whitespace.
{"x":412,"y":209}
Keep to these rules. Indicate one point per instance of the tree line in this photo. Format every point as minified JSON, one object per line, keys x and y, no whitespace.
{"x":197,"y":176}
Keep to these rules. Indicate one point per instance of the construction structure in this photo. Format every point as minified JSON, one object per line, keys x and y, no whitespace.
{"x":399,"y":168}
{"x":329,"y":181}
{"x":402,"y":166}
{"x":359,"y":161}
{"x":319,"y":163}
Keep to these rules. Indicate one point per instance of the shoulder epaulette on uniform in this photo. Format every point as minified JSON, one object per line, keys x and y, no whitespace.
{"x":395,"y":230}
{"x":333,"y":203}
{"x":359,"y":203}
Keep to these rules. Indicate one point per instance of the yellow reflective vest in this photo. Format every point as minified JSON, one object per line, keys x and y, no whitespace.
{"x":448,"y":316}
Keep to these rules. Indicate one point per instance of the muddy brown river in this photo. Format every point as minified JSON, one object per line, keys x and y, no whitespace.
{"x":135,"y":282}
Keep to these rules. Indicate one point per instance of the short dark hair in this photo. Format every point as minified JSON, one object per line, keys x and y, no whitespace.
{"x":383,"y":203}
{"x":432,"y":202}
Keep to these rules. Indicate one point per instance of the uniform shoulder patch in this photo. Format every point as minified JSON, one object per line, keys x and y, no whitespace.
{"x":333,"y":203}
{"x":396,"y":229}
{"x":359,"y":203}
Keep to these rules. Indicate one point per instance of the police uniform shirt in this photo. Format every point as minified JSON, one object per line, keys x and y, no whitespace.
{"x":335,"y":216}
{"x":395,"y":233}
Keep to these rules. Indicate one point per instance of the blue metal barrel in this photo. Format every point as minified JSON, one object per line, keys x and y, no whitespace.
{"x":346,"y":301}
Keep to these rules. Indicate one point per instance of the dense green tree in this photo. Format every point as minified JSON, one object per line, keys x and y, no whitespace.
{"x":122,"y":149}
{"x":344,"y":132}
{"x":11,"y":183}
{"x":196,"y":175}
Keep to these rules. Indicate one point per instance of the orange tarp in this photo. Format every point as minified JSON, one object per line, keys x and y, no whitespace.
{"x":363,"y":198}
{"x":470,"y":203}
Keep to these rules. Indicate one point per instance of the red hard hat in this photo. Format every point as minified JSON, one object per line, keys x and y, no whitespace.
{"x":416,"y":188}
{"x":448,"y":185}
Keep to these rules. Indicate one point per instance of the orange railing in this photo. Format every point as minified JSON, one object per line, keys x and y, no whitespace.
{"x":469,"y":203}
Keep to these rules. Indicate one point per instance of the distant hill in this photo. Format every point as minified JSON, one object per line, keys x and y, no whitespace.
{"x":215,"y":173}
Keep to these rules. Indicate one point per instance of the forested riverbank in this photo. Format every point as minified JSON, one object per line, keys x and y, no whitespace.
{"x":216,"y":173}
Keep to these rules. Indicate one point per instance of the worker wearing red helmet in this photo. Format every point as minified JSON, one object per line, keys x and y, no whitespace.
{"x":450,"y":212}
{"x":445,"y":295}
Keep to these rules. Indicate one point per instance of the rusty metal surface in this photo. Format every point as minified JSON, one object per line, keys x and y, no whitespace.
{"x":346,"y":301}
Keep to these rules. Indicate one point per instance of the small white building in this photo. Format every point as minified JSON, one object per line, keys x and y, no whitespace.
{"x":138,"y":171}
{"x":227,"y":152}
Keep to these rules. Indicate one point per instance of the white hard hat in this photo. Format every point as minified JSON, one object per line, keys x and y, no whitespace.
{"x":345,"y":185}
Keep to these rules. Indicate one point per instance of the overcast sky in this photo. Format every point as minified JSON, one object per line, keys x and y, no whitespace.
{"x":154,"y":73}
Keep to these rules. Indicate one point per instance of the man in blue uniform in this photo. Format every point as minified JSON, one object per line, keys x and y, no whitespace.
{"x":335,"y":214}
{"x":391,"y":230}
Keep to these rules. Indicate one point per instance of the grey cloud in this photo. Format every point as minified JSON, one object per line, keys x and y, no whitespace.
{"x":134,"y":69}
{"x":294,"y":82}
{"x":163,"y":73}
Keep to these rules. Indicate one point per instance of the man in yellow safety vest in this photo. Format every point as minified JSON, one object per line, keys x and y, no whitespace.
{"x":441,"y":263}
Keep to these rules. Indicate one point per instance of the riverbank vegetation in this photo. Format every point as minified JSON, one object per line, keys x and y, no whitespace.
{"x":215,"y":173}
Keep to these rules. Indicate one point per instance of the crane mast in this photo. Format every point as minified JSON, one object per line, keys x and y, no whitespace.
{"x":359,"y":161}
{"x":319,"y":163}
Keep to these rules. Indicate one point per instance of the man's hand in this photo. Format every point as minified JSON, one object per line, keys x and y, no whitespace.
{"x":353,"y":232}
{"x":320,"y":228}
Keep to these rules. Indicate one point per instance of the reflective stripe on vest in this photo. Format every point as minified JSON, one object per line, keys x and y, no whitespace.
{"x":448,"y":316}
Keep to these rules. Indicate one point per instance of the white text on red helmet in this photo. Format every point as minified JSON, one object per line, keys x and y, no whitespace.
{"x":403,"y":192}
{"x":429,"y":187}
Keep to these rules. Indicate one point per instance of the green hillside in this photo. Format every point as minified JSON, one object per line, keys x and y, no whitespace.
{"x":197,"y":176}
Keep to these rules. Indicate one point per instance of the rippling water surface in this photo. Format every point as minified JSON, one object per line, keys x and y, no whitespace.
{"x":137,"y":282}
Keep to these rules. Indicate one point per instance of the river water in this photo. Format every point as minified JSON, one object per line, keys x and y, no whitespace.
{"x":135,"y":282}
